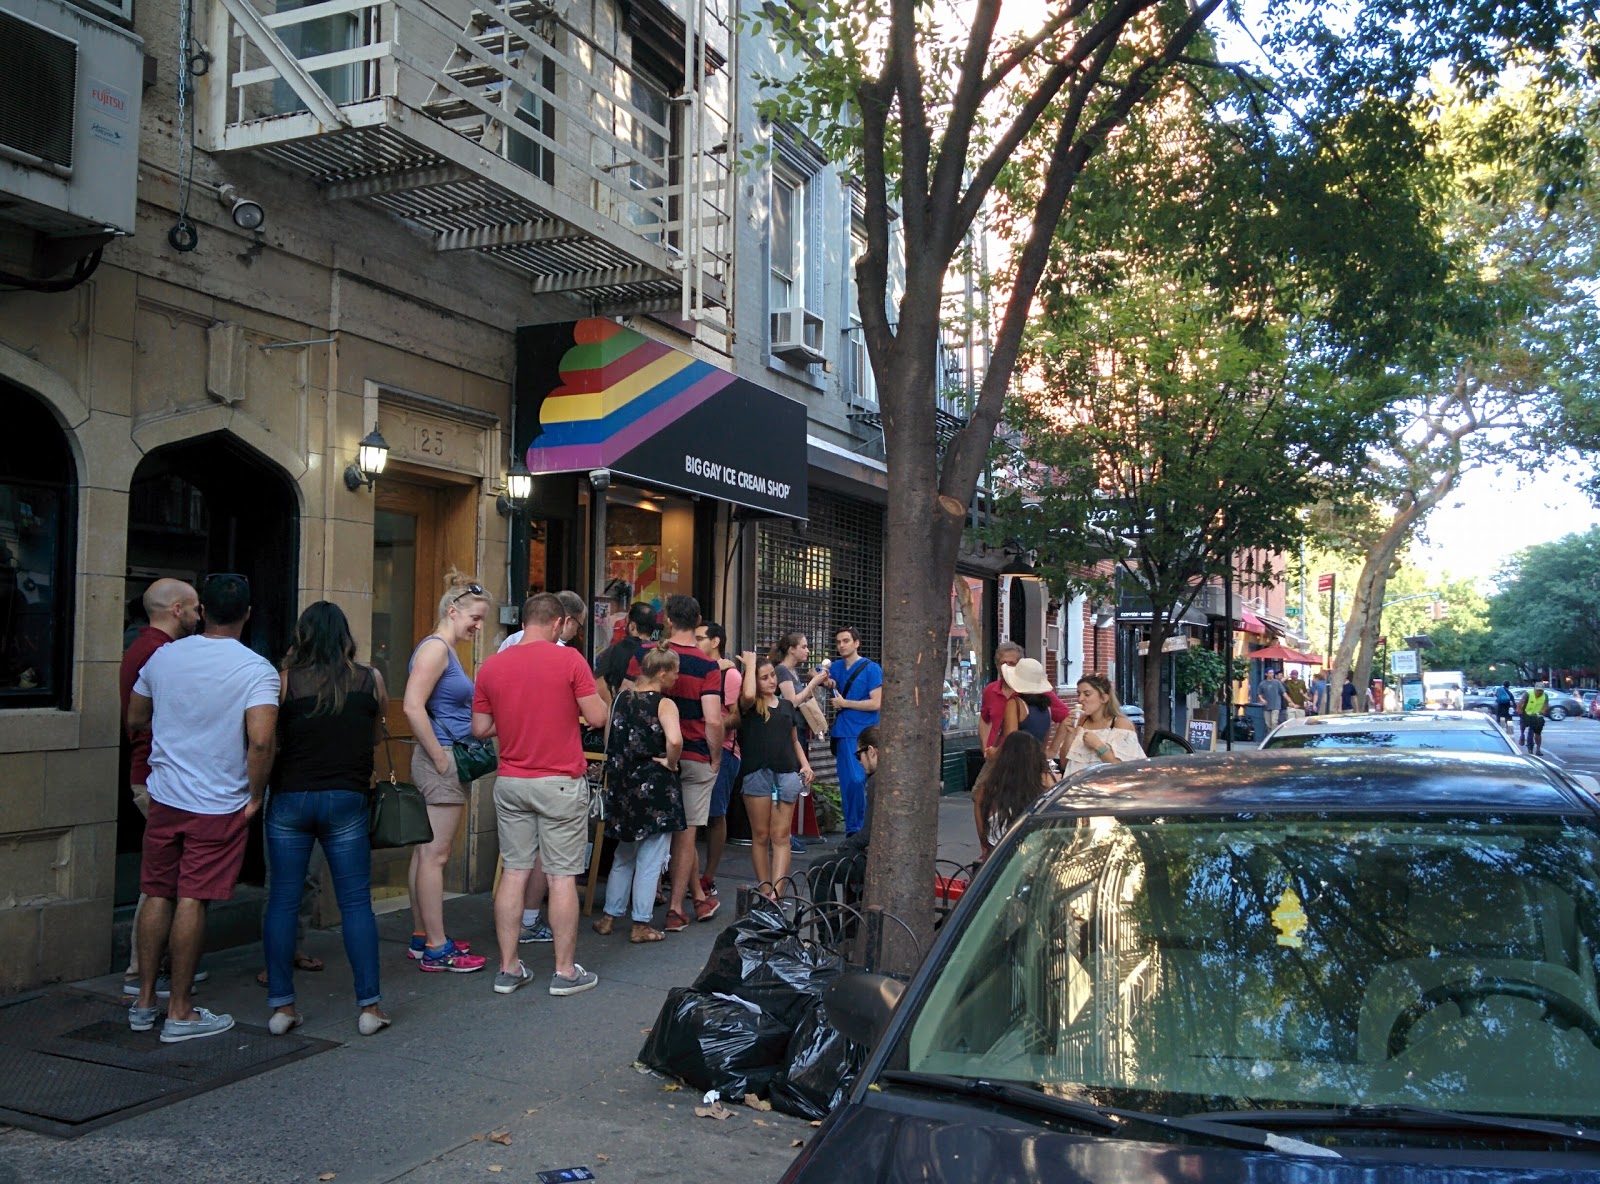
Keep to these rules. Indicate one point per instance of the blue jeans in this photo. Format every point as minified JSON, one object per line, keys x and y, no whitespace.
{"x":338,"y":820}
{"x":637,"y":867}
{"x":722,"y":791}
{"x":852,"y":785}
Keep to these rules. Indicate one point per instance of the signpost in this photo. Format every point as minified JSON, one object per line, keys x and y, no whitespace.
{"x":1325,"y":583}
{"x":1405,"y":662}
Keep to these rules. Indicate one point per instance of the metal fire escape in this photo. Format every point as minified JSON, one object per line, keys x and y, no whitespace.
{"x":505,"y":129}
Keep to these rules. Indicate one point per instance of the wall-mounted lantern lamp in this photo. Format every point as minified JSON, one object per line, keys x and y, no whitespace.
{"x":371,"y":455}
{"x":1018,"y":564}
{"x":519,"y":487}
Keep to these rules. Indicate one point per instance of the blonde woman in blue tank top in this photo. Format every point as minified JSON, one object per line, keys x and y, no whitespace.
{"x":438,"y":706}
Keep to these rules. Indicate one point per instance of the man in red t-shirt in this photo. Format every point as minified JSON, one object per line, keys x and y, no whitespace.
{"x":173,"y":610}
{"x":993,"y":709}
{"x":530,"y":698}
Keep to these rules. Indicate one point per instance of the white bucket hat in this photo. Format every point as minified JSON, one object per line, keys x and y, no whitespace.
{"x":1027,"y":677}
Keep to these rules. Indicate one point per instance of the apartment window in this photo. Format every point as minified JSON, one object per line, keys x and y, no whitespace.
{"x":38,"y":515}
{"x":651,"y":181}
{"x":860,"y":386}
{"x":794,"y":256}
{"x":788,"y":239}
{"x":535,"y":111}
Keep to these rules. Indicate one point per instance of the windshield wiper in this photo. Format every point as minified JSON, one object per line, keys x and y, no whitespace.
{"x":1381,"y":1115}
{"x":1110,"y":1119}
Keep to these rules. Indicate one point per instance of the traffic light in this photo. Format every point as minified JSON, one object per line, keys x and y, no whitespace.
{"x":1438,"y":609}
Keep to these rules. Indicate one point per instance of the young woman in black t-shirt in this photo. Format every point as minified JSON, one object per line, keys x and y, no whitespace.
{"x":775,"y":770}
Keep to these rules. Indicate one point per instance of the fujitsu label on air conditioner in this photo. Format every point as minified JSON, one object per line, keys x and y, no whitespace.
{"x":70,"y":87}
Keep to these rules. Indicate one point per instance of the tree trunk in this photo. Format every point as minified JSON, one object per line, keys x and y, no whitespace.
{"x":1154,"y":702}
{"x":924,"y":533}
{"x":1366,"y":604}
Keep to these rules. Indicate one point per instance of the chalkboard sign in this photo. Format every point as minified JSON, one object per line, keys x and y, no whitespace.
{"x":1202,"y":735}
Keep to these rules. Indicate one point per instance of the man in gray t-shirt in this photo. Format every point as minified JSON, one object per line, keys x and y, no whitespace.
{"x":211,"y":706}
{"x":1272,"y":696}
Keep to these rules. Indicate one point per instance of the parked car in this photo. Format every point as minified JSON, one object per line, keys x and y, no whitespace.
{"x":1563,"y":704}
{"x":1438,"y":731}
{"x":1307,"y":967}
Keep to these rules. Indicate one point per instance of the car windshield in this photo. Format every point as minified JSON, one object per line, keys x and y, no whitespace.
{"x":1185,"y":965}
{"x":1444,"y":740}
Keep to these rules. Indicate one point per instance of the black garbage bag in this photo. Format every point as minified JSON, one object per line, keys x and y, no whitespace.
{"x":821,"y":1068}
{"x":714,"y":1043}
{"x":762,"y":958}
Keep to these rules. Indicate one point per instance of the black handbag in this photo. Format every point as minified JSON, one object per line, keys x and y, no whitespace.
{"x":399,"y":814}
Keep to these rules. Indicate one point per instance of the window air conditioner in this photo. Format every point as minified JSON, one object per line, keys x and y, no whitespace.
{"x":70,"y":87}
{"x":797,"y":335}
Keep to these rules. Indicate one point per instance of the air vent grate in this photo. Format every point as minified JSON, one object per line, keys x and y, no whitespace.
{"x":38,"y":91}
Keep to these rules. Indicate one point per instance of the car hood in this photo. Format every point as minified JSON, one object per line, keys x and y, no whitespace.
{"x":899,"y":1141}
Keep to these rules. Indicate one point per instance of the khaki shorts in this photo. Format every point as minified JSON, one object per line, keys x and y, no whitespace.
{"x":438,"y":789}
{"x":697,"y":780}
{"x":543,"y":816}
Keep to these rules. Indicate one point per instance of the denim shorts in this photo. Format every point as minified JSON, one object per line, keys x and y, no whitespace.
{"x":759,"y":783}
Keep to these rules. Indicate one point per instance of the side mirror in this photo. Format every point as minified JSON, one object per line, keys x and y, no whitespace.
{"x":859,"y":1005}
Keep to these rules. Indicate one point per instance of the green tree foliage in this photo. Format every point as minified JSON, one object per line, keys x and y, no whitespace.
{"x":1546,"y":614}
{"x":925,"y":109}
{"x":1519,"y":382}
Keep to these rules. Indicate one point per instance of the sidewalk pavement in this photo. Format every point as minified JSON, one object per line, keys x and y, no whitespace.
{"x":417,"y":1102}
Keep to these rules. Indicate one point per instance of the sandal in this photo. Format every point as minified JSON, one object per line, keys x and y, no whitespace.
{"x":301,"y":962}
{"x":676,"y":921}
{"x":604,"y":924}
{"x":642,"y":933}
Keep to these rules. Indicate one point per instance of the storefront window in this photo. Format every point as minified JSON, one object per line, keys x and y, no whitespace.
{"x":649,"y":555}
{"x":37,"y":508}
{"x":966,"y":656}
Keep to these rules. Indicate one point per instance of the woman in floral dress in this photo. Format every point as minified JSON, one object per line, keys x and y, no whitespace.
{"x":644,"y":802}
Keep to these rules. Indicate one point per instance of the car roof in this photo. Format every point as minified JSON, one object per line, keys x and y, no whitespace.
{"x":1318,"y":780}
{"x":1387,"y":721}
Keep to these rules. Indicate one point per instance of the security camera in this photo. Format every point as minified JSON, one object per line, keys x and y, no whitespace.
{"x":600,"y":479}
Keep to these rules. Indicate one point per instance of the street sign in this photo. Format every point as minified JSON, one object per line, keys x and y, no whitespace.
{"x":1292,"y":611}
{"x":1325,"y":582}
{"x":1404,"y":662}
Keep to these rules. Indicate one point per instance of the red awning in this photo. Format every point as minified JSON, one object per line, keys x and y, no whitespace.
{"x":1249,"y":622}
{"x":1282,"y":653}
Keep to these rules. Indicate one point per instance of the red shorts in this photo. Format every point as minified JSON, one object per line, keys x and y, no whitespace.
{"x":195,"y":856}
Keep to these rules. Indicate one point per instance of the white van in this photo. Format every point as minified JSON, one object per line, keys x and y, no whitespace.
{"x":1443,"y":688}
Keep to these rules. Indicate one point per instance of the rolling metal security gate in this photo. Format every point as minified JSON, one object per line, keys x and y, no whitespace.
{"x":822,"y":576}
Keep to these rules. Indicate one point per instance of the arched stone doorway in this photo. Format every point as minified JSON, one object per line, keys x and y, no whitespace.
{"x":210,"y":504}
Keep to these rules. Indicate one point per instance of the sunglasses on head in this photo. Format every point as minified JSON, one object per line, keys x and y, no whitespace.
{"x":217,"y":576}
{"x":469,"y":590}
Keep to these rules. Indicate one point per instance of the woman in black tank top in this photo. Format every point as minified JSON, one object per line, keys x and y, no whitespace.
{"x":330,"y":716}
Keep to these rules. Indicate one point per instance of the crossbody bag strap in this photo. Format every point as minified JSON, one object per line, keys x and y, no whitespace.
{"x":844,"y":691}
{"x":388,"y":753}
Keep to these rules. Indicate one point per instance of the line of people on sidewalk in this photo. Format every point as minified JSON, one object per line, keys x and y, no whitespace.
{"x":212,"y":725}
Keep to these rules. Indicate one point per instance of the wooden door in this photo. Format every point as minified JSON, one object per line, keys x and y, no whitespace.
{"x":405,"y":570}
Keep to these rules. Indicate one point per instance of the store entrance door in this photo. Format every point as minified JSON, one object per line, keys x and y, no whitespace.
{"x":211,"y":504}
{"x":411,"y":528}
